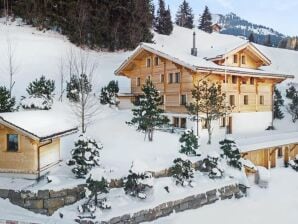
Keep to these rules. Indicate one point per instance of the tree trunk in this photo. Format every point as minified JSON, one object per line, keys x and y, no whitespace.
{"x":209,"y":131}
{"x":150,"y":135}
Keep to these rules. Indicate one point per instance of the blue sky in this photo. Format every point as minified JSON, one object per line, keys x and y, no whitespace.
{"x":281,"y":15}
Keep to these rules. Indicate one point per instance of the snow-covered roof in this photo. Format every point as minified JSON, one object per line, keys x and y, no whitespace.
{"x":268,"y":141}
{"x":39,"y":125}
{"x":177,"y":46}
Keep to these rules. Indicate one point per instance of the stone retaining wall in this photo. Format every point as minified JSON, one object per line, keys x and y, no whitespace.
{"x":165,"y":209}
{"x":44,"y":201}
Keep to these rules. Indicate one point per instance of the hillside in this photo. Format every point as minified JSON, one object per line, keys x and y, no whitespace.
{"x":234,"y":25}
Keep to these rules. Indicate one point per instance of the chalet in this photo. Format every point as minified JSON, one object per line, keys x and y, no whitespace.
{"x":244,"y":71}
{"x":30,"y":142}
{"x":216,"y":27}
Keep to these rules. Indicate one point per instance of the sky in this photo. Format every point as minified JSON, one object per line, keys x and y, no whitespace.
{"x":281,"y":15}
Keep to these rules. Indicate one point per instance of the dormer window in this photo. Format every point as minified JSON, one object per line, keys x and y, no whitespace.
{"x":148,"y":62}
{"x":235,"y":58}
{"x":243,"y":59}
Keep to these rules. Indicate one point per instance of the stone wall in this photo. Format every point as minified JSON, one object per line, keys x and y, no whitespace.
{"x":44,"y":201}
{"x":165,"y":209}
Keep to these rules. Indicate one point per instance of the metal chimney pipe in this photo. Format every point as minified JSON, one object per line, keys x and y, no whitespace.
{"x":194,"y":50}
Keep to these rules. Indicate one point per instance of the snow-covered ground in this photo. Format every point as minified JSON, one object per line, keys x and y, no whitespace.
{"x":277,"y":204}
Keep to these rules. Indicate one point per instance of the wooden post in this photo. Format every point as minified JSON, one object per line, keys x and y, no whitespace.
{"x":266,"y":158}
{"x":165,"y":81}
{"x":286,"y":155}
{"x":257,"y":94}
{"x":239,"y":93}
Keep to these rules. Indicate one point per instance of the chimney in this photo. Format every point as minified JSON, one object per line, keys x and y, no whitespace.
{"x":194,"y":50}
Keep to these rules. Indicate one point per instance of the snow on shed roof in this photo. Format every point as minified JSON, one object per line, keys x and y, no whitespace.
{"x":268,"y":141}
{"x":39,"y":125}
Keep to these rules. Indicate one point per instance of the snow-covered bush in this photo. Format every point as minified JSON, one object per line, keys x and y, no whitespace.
{"x":212,"y":166}
{"x":294,"y":163}
{"x":138,"y":181}
{"x":77,"y":85}
{"x":41,"y":94}
{"x":231,"y":153}
{"x":109,"y":94}
{"x":85,"y":156}
{"x":182,"y":172}
{"x":189,"y":143}
{"x":95,"y":191}
{"x":7,"y":102}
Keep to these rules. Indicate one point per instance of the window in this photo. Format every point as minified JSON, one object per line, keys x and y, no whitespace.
{"x":177,"y":77}
{"x":156,"y":61}
{"x":171,"y":78}
{"x":183,"y":99}
{"x":261,"y":100}
{"x":138,"y":81}
{"x":244,"y":81}
{"x":222,"y":122}
{"x":162,"y":78}
{"x":183,"y":122}
{"x":252,"y":80}
{"x":12,"y":143}
{"x":234,"y":79}
{"x":148,"y":63}
{"x":235,"y":59}
{"x":176,"y":122}
{"x":232,"y":100}
{"x":243,"y":60}
{"x":245,"y":100}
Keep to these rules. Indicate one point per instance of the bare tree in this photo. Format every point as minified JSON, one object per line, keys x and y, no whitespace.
{"x":86,"y":105}
{"x":61,"y":74}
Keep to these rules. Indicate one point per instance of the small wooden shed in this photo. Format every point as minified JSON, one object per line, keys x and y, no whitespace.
{"x":30,"y":142}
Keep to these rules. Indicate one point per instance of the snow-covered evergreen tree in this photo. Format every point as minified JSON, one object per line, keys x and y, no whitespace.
{"x":7,"y":102}
{"x":138,"y":181}
{"x":148,"y":115}
{"x":292,"y":108}
{"x":231,"y":153}
{"x":278,"y":102}
{"x":76,"y":85}
{"x":41,"y":94}
{"x":212,"y":166}
{"x":184,"y":16}
{"x":85,"y":156}
{"x":109,"y":94}
{"x":182,"y":171}
{"x":291,"y":92}
{"x":189,"y":143}
{"x":163,"y":21}
{"x":206,"y":21}
{"x":294,"y":163}
{"x":251,"y":37}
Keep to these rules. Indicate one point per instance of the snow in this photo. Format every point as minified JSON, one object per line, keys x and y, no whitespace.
{"x":42,"y":124}
{"x":263,"y":173}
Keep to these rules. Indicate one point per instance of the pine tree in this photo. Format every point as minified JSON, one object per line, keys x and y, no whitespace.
{"x":189,"y":143}
{"x":96,"y":188}
{"x":278,"y":102}
{"x":268,"y":41}
{"x":184,"y":16}
{"x":231,"y":153}
{"x":292,"y":108}
{"x":212,"y":166}
{"x":182,"y":172}
{"x":41,"y":88}
{"x":77,"y":85}
{"x":206,"y":21}
{"x":210,"y":101}
{"x":251,"y":37}
{"x":148,"y":115}
{"x":163,"y":20}
{"x":7,"y":102}
{"x":291,"y":92}
{"x":85,"y":156}
{"x":109,"y":94}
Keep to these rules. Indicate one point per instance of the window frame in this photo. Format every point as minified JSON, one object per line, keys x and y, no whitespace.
{"x":177,"y":77}
{"x":148,"y":62}
{"x":171,"y":78}
{"x":251,"y":80}
{"x":184,"y":123}
{"x":243,"y":59}
{"x":181,"y":101}
{"x":262,"y":100}
{"x":234,"y":100}
{"x":245,"y":100}
{"x":176,"y":124}
{"x":235,"y":59}
{"x":222,"y":122}
{"x":162,"y":78}
{"x":156,"y":61}
{"x":8,"y":149}
{"x":138,"y":81}
{"x":234,"y":79}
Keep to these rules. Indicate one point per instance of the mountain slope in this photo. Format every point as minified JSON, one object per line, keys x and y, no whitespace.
{"x":234,"y":25}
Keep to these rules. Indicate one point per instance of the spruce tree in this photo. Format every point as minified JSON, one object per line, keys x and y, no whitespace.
{"x":206,"y":21}
{"x":77,"y":85}
{"x":109,"y":94}
{"x":268,"y":41}
{"x":292,"y":108}
{"x":209,"y":100}
{"x":278,"y":102}
{"x":7,"y":102}
{"x":163,"y":20}
{"x":183,"y":172}
{"x":189,"y":143}
{"x":291,"y":92}
{"x":251,"y":37}
{"x":85,"y":156}
{"x":231,"y":153}
{"x":148,"y":115}
{"x":184,"y":16}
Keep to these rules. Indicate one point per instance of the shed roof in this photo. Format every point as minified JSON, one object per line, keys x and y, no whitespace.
{"x":39,"y":125}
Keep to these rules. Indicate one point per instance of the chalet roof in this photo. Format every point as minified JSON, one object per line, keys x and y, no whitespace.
{"x":177,"y":47}
{"x":38,"y":125}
